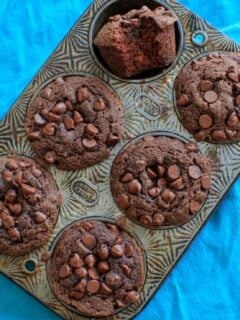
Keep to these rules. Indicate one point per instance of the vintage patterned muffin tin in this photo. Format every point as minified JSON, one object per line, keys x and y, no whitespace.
{"x":149,"y":107}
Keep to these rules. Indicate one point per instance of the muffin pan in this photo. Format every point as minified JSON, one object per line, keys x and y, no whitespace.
{"x":149,"y":107}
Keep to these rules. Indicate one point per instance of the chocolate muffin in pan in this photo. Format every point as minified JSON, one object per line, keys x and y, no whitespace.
{"x":160,"y":181}
{"x":29,"y":203}
{"x":138,"y":41}
{"x":208,"y":97}
{"x":74,"y":122}
{"x":96,"y":268}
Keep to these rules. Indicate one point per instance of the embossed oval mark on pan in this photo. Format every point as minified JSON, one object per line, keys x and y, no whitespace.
{"x":85,"y":192}
{"x":149,"y":108}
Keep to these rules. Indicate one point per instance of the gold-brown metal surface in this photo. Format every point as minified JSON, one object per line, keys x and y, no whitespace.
{"x":148,"y":106}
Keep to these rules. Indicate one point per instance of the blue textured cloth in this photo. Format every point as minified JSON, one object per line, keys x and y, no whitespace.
{"x":206,"y":282}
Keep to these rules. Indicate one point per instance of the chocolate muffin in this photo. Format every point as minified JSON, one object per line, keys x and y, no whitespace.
{"x":74,"y":122}
{"x":160,"y":181}
{"x":138,"y":41}
{"x":96,"y":268}
{"x":208,"y":97}
{"x":29,"y":203}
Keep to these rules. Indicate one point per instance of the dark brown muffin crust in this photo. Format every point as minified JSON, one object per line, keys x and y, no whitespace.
{"x":96,"y":268}
{"x":208,"y":97}
{"x":74,"y":122}
{"x":138,"y":41}
{"x":29,"y":203}
{"x":160,"y":181}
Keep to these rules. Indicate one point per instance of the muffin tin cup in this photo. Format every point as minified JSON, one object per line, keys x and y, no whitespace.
{"x":114,"y":7}
{"x":149,"y":107}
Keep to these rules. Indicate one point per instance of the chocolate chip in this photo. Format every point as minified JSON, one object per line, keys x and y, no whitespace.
{"x":83,"y":94}
{"x":103,"y":267}
{"x":12,"y":164}
{"x":105,"y":289}
{"x":37,"y":172}
{"x":89,"y":241}
{"x":103,"y":252}
{"x":64,"y":271}
{"x":132,"y":296}
{"x":112,"y":140}
{"x":206,"y":182}
{"x":69,"y":105}
{"x":219,"y":135}
{"x":123,"y":201}
{"x":11,"y":195}
{"x":77,"y":117}
{"x":206,"y":85}
{"x":238,"y":100}
{"x":146,"y":220}
{"x":168,"y":196}
{"x":8,"y":222}
{"x":158,"y":219}
{"x":162,"y":182}
{"x":230,"y":133}
{"x":194,"y":172}
{"x":117,"y":251}
{"x":39,"y":217}
{"x":87,"y":226}
{"x":126,"y":269}
{"x":119,"y":240}
{"x":128,"y":250}
{"x":183,"y":100}
{"x":173,"y":172}
{"x":0,"y":222}
{"x":151,"y":173}
{"x":148,"y":138}
{"x":60,"y":80}
{"x":81,"y":272}
{"x":69,"y":123}
{"x":60,"y":108}
{"x":47,"y":92}
{"x":205,"y":121}
{"x":232,"y":120}
{"x":45,"y":256}
{"x":127,"y":177}
{"x":81,"y":286}
{"x":90,"y":260}
{"x":200,"y":136}
{"x":49,"y":129}
{"x":28,"y":189}
{"x":233,"y":76}
{"x":191,"y":146}
{"x":33,"y":136}
{"x":93,"y":274}
{"x":120,"y":303}
{"x":75,"y":261}
{"x":14,"y":234}
{"x":91,"y":130}
{"x":39,"y":120}
{"x":54,"y":117}
{"x":93,"y":286}
{"x":50,"y":156}
{"x":194,"y":206}
{"x":7,"y":175}
{"x":15,"y":208}
{"x":76,"y":295}
{"x":177,"y":184}
{"x":89,"y":143}
{"x":154,"y":192}
{"x":113,"y":280}
{"x":135,"y":187}
{"x":99,"y":105}
{"x":210,"y":96}
{"x":161,"y":170}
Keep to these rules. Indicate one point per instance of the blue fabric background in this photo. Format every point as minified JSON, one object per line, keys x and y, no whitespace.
{"x":206,"y":282}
